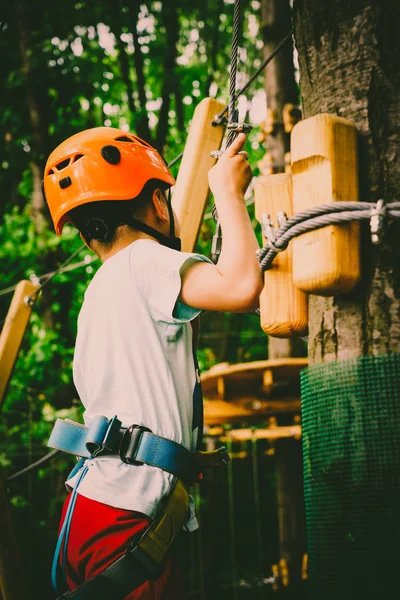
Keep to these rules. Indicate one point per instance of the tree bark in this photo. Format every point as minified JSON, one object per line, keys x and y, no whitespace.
{"x":348,"y":67}
{"x":213,"y":46}
{"x":123,"y":58}
{"x":39,"y":133}
{"x":142,"y":126}
{"x":170,"y":19}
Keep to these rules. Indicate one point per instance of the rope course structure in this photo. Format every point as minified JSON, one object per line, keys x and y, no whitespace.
{"x":277,"y":240}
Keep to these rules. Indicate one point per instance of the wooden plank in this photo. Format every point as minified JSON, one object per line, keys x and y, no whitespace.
{"x":191,"y":189}
{"x":288,"y":364}
{"x":324,"y":169}
{"x":12,"y":581}
{"x":247,"y":378}
{"x":218,"y":412}
{"x":13,"y":332}
{"x":270,"y":433}
{"x":284,"y":308}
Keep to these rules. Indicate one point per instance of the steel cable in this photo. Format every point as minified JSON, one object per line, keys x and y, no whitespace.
{"x":34,"y":465}
{"x":232,"y":112}
{"x":316,"y":218}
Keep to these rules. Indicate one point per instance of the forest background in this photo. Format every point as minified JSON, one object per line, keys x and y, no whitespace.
{"x":141,"y":67}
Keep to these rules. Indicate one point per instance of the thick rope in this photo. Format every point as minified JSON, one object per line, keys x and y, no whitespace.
{"x":319,"y":216}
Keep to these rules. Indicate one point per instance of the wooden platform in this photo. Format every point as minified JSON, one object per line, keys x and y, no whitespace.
{"x":248,"y":391}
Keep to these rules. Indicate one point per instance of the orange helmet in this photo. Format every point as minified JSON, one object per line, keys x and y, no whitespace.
{"x":102,"y":163}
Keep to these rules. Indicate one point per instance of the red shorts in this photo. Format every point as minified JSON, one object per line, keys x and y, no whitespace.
{"x":99,"y":535}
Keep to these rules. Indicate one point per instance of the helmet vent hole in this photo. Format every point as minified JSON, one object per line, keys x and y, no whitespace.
{"x":111,"y":154}
{"x":64,"y":183}
{"x":124,"y":138}
{"x":63,"y":164}
{"x":51,"y":172}
{"x":77,"y":157}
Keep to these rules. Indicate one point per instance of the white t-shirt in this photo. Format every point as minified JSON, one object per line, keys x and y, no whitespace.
{"x":134,"y":358}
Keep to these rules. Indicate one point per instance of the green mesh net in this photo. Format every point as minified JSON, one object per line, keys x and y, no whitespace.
{"x":351,"y":448}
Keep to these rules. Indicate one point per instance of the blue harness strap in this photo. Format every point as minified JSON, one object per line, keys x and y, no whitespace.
{"x":136,"y":445}
{"x":63,"y":537}
{"x":83,"y":440}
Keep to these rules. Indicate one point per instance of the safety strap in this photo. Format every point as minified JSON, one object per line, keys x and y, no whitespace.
{"x":172,"y":241}
{"x":62,"y":542}
{"x":141,"y":561}
{"x":133,"y":445}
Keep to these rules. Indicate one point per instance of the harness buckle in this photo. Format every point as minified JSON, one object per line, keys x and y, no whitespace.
{"x":130,"y":442}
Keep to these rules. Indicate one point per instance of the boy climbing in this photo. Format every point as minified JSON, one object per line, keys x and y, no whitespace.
{"x":134,"y":366}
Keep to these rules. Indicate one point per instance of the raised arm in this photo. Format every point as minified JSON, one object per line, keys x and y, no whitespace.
{"x":235,"y":283}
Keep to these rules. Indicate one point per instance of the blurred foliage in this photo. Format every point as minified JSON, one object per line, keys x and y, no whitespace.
{"x":74,"y":73}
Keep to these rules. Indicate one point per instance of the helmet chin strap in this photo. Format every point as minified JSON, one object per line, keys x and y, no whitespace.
{"x":172,"y":241}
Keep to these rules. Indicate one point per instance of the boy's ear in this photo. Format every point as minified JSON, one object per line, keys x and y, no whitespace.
{"x":160,"y":205}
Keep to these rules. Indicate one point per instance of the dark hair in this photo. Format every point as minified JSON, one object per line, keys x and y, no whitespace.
{"x":100,"y":220}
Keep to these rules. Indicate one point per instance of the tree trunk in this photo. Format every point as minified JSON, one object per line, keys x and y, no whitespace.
{"x":348,"y":67}
{"x":213,"y":36}
{"x":170,"y":19}
{"x":348,"y":59}
{"x":142,"y":126}
{"x":123,"y":58}
{"x":39,"y":133}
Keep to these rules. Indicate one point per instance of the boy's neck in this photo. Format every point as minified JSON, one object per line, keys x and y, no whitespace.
{"x":123,"y":240}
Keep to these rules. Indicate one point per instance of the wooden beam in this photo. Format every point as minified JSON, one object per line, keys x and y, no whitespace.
{"x":270,"y":433}
{"x":221,"y":387}
{"x":268,"y":381}
{"x":218,"y":412}
{"x":246,"y":379}
{"x":285,"y":364}
{"x":191,"y":189}
{"x":13,"y":332}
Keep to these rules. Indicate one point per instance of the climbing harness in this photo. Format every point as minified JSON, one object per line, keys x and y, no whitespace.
{"x":134,"y":445}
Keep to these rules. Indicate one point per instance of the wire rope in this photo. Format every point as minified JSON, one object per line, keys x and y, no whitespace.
{"x":34,"y":465}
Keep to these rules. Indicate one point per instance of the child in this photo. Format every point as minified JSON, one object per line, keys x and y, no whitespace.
{"x":133,"y":355}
